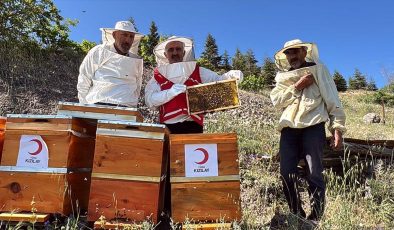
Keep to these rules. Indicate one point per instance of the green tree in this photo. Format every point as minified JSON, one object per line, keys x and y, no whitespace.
{"x":358,"y":81}
{"x":225,"y":63}
{"x":340,"y":81}
{"x":205,"y":63}
{"x":268,"y":72}
{"x":371,"y":85}
{"x":211,"y":52}
{"x":148,"y":43}
{"x":34,"y":21}
{"x":86,"y":45}
{"x":251,"y":67}
{"x":238,"y":61}
{"x":131,"y":19}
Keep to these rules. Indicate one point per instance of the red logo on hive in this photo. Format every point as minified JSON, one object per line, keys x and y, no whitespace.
{"x":39,"y":147}
{"x":206,"y":156}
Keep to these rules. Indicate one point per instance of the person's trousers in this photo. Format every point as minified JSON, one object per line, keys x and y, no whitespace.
{"x":185,"y":127}
{"x":304,"y":143}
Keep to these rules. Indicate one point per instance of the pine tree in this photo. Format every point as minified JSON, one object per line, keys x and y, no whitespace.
{"x":148,"y":43}
{"x":371,"y":85}
{"x":358,"y":81}
{"x":340,"y":81}
{"x":225,"y":63}
{"x":131,"y":19}
{"x":268,"y":72}
{"x":211,"y":52}
{"x":251,"y":67}
{"x":238,"y":61}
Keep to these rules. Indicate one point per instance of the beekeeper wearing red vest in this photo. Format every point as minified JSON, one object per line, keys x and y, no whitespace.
{"x":176,"y":70}
{"x":111,"y":73}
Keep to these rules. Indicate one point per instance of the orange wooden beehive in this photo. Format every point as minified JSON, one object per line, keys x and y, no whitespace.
{"x":129,"y":164}
{"x":212,"y":198}
{"x":66,"y":181}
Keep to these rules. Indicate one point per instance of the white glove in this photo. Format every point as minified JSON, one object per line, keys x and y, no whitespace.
{"x":176,"y":89}
{"x":235,"y":74}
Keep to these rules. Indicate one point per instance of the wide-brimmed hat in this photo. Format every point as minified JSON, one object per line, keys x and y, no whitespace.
{"x":127,"y":26}
{"x":280,"y":56}
{"x":160,"y":49}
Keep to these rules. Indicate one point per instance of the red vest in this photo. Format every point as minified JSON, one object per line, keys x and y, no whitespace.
{"x":178,"y":104}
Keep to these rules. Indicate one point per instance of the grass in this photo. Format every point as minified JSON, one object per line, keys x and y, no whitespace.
{"x":353,"y":201}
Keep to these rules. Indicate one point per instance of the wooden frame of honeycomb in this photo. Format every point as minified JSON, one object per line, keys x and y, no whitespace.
{"x":213,"y":96}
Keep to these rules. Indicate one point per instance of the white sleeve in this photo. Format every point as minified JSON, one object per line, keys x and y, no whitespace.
{"x":283,"y":95}
{"x":210,"y":76}
{"x":154,"y":96}
{"x":86,"y":72}
{"x":329,"y":93}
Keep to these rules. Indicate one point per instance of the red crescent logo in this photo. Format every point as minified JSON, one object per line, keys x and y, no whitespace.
{"x":39,"y":147}
{"x":206,"y":156}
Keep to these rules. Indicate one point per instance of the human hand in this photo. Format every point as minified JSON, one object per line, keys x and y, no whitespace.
{"x":177,"y":89}
{"x":336,"y":141}
{"x":304,"y":82}
{"x":236,"y":74}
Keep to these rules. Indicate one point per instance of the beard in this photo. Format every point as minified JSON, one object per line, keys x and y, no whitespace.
{"x":295,"y":63}
{"x":125,"y":47}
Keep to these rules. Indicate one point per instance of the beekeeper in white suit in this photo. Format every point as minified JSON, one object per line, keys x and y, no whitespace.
{"x":111,"y":73}
{"x":176,"y":70}
{"x":307,"y":95}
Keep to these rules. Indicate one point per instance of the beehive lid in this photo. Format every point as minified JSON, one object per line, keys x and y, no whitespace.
{"x":99,"y":111}
{"x":131,"y":129}
{"x":38,"y":122}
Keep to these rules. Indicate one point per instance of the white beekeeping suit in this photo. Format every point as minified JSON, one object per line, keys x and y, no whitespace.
{"x":178,"y":73}
{"x":312,"y":105}
{"x":108,"y":77}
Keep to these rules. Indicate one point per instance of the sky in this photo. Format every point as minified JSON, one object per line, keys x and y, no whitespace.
{"x":349,"y":33}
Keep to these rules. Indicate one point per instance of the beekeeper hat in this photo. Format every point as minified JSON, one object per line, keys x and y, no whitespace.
{"x":160,"y":49}
{"x":312,"y":54}
{"x":106,"y":34}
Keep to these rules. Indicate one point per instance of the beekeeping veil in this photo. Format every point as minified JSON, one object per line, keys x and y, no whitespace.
{"x":311,"y":56}
{"x":160,"y":49}
{"x":106,"y":34}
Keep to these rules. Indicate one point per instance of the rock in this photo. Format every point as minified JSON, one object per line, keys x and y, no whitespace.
{"x":370,"y":118}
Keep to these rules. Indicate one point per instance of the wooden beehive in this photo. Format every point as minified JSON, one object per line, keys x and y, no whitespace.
{"x":98,"y":112}
{"x":2,"y":128}
{"x":53,"y":190}
{"x":205,"y":198}
{"x":128,"y":171}
{"x":70,"y":145}
{"x":214,"y":96}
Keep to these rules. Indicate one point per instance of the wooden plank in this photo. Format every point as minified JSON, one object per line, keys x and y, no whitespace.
{"x":127,"y":125}
{"x":49,"y":191}
{"x":116,"y":199}
{"x":126,"y":177}
{"x":205,"y":179}
{"x":128,"y":156}
{"x":109,"y":110}
{"x":116,"y":225}
{"x":208,"y":138}
{"x":24,"y":217}
{"x":212,"y":226}
{"x":227,"y":158}
{"x":206,"y":201}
